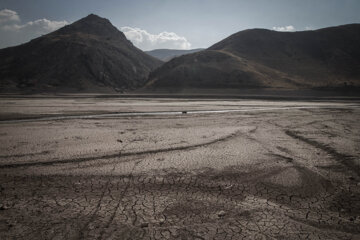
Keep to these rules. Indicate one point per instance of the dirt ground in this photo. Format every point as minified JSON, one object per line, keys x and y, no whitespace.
{"x":274,"y":170}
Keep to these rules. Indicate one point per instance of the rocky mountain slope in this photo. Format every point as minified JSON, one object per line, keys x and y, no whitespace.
{"x":259,"y":58}
{"x":90,"y":55}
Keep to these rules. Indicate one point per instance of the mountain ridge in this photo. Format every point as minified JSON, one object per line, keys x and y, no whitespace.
{"x":89,"y":55}
{"x":261,"y":58}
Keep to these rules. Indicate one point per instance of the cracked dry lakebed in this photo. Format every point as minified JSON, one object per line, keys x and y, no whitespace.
{"x":84,"y":168}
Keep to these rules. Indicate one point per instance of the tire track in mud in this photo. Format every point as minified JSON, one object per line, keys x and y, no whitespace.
{"x":113,"y":215}
{"x":25,"y":155}
{"x":120,"y":155}
{"x":94,"y":212}
{"x":346,"y":160}
{"x":97,"y":208}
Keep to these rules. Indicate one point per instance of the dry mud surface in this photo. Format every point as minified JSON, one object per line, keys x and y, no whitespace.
{"x":274,"y":170}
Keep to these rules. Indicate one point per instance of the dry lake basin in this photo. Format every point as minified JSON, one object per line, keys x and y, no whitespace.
{"x":89,"y":168}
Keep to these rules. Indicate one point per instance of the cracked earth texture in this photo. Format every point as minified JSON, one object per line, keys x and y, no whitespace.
{"x":260,"y":174}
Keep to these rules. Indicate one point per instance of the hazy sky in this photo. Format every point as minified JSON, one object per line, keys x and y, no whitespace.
{"x":173,"y":24}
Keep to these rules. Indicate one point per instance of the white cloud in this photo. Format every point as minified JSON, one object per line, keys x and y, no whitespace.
{"x":7,"y":15}
{"x":40,"y":26}
{"x":13,"y":32}
{"x":147,"y":41}
{"x":289,"y":28}
{"x":308,"y":28}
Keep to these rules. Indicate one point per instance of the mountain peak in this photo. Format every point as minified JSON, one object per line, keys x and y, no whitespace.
{"x":93,"y":25}
{"x":95,"y":18}
{"x":87,"y":55}
{"x":92,"y":15}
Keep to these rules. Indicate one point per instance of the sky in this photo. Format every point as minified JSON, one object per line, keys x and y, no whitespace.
{"x":175,"y":24}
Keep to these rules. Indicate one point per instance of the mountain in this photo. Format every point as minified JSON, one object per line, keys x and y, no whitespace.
{"x":90,"y":55}
{"x":166,"y":55}
{"x":260,"y":58}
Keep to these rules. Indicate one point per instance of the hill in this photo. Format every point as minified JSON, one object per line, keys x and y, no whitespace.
{"x":260,"y":58}
{"x":166,"y":55}
{"x":90,"y":55}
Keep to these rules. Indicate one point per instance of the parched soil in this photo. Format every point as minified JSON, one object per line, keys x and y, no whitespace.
{"x":272,"y":171}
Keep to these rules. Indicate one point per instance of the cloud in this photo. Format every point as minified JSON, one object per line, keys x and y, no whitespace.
{"x":289,"y":28}
{"x":309,"y":28}
{"x":14,"y":32}
{"x":147,"y":41}
{"x":7,"y":15}
{"x":40,"y":26}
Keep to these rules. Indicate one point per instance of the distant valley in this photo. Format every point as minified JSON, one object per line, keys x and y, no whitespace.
{"x":168,"y":54}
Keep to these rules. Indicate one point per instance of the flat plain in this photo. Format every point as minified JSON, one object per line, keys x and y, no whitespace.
{"x":89,"y":168}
